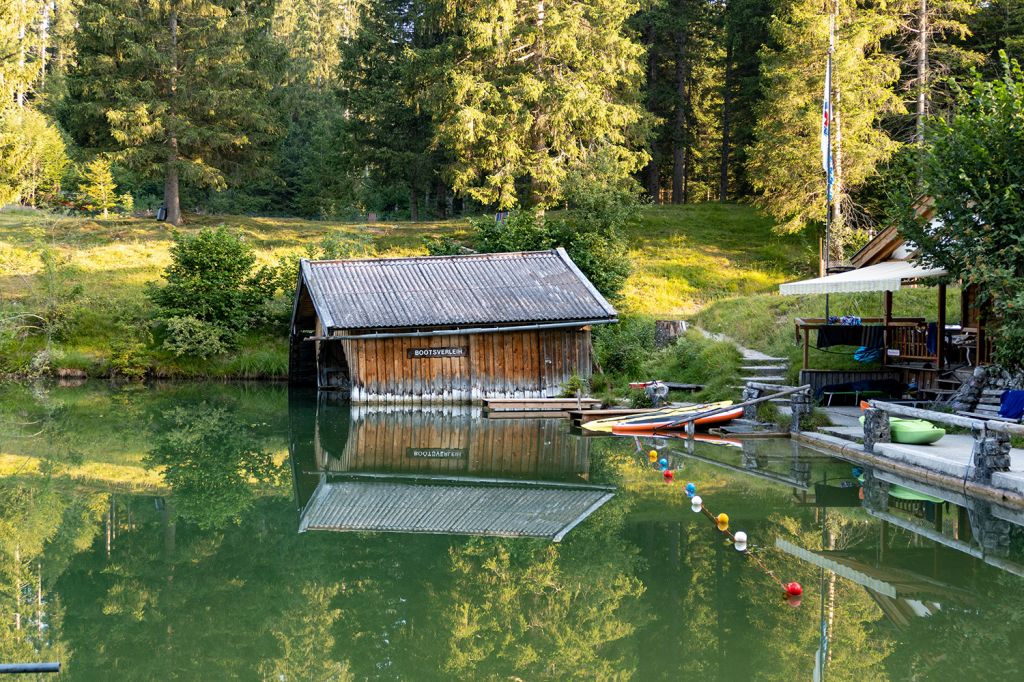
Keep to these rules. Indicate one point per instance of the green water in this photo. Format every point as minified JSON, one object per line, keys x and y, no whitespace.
{"x":152,"y":533}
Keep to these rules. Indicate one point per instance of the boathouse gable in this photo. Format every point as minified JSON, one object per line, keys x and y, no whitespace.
{"x":444,"y":328}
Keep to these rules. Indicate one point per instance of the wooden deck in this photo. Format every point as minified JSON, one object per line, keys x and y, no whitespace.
{"x":581,"y":417}
{"x":535,"y":404}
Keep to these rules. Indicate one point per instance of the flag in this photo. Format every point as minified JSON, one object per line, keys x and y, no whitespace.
{"x":826,"y":123}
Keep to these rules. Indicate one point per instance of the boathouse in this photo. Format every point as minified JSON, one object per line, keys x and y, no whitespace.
{"x":448,"y":329}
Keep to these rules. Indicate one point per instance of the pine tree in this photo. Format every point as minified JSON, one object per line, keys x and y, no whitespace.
{"x":98,"y":192}
{"x":168,"y":88}
{"x":785,"y":160}
{"x":530,"y":88}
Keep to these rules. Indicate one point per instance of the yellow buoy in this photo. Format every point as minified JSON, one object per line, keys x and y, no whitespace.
{"x":653,"y":456}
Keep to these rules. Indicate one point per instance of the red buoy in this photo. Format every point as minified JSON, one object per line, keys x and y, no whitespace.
{"x":794,"y":589}
{"x":668,"y":476}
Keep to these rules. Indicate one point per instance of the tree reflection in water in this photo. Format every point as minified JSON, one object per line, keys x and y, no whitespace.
{"x":213,"y":582}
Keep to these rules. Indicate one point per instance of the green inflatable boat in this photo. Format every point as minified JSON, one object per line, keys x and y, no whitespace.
{"x":913,"y":431}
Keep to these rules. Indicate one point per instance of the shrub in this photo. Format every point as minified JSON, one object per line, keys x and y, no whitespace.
{"x":518,"y":231}
{"x":625,"y":347}
{"x":213,"y":278}
{"x":574,"y":386}
{"x":195,"y":338}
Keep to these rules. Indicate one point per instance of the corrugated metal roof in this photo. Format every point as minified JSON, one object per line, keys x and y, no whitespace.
{"x":456,"y":509}
{"x":479,"y":289}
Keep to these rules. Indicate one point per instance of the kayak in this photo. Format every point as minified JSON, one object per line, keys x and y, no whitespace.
{"x":669,"y":424}
{"x":653,"y":419}
{"x":913,"y":431}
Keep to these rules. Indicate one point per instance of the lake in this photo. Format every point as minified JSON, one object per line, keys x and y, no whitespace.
{"x":222,"y":531}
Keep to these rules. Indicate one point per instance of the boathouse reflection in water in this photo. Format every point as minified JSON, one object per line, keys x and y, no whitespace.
{"x":437,"y":470}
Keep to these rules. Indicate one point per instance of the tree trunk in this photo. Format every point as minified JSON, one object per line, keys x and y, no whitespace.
{"x":414,"y":200}
{"x":723,"y":179}
{"x":679,"y":127}
{"x":22,"y":22}
{"x":172,"y":198}
{"x":537,"y":185}
{"x":44,"y":39}
{"x":922,"y":70}
{"x":652,"y":172}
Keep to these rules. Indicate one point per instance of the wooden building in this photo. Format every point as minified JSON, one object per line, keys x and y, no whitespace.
{"x":444,"y":329}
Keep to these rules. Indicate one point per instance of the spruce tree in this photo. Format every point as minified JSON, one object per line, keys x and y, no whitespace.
{"x":98,"y":191}
{"x":785,"y":160}
{"x":530,"y":88}
{"x":168,"y":88}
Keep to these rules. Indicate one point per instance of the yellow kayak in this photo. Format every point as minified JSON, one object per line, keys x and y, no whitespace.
{"x":652,"y":419}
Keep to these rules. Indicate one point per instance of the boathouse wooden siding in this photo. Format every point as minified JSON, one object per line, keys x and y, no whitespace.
{"x":499,"y":364}
{"x":448,"y":329}
{"x":440,"y":442}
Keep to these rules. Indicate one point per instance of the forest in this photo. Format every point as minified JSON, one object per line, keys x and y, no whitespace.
{"x":422,"y":109}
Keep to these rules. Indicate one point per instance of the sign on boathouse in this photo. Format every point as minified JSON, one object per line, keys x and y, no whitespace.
{"x":446,"y":352}
{"x":444,"y":329}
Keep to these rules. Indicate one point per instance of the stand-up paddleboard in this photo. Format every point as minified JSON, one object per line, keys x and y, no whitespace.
{"x":652,"y":419}
{"x":642,"y":426}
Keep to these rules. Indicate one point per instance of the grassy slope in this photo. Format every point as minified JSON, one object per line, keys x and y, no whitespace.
{"x":713,"y":263}
{"x":114,"y":259}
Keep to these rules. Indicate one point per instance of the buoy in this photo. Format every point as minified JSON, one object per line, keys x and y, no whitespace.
{"x":696,"y":503}
{"x":653,"y":456}
{"x":723,"y":518}
{"x":740,"y":541}
{"x":663,"y":462}
{"x":668,"y":475}
{"x":794,"y":589}
{"x":691,"y":490}
{"x":793,"y":601}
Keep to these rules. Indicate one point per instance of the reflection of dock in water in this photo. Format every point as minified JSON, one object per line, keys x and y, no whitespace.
{"x":442,"y":470}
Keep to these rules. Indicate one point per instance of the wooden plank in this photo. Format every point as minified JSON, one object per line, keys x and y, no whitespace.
{"x":541,"y":403}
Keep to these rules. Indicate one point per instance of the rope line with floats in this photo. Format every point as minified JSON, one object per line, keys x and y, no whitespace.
{"x":793,"y":590}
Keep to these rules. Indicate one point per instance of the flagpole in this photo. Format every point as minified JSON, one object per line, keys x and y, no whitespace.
{"x":828,"y":163}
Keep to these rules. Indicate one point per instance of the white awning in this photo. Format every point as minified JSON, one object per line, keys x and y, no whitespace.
{"x":887,"y":276}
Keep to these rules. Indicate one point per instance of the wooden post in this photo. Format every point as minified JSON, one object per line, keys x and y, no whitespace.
{"x":886,"y":320}
{"x":940,"y":331}
{"x":807,"y":348}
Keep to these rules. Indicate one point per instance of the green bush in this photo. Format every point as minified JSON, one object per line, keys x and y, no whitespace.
{"x":591,"y":232}
{"x":519,"y":231}
{"x":574,"y":386}
{"x":193,"y":337}
{"x":213,"y":278}
{"x":625,"y":348}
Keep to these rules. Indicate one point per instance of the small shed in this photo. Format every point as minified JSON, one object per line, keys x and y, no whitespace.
{"x":447,"y":329}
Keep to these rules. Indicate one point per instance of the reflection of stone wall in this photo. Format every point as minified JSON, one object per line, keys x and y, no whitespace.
{"x":449,"y":440}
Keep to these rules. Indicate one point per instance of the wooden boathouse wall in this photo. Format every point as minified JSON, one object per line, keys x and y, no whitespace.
{"x":523,"y":364}
{"x":441,"y":441}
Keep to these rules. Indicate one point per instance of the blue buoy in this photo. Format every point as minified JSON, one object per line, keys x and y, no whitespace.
{"x":691,"y":490}
{"x":663,"y":462}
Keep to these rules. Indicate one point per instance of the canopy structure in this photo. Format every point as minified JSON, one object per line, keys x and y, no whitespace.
{"x":886,"y":276}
